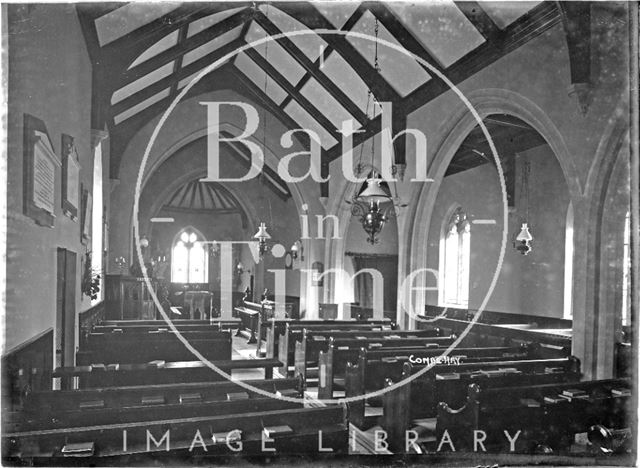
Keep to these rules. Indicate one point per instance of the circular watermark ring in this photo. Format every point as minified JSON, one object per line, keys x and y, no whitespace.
{"x":212,"y":67}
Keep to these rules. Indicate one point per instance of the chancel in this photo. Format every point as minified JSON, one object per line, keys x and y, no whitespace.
{"x":310,"y":231}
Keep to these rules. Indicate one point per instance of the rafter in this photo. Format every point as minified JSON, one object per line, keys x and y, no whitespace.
{"x":529,"y":26}
{"x":310,"y":17}
{"x":129,"y":46}
{"x":167,"y":82}
{"x":480,"y":20}
{"x":259,"y":96}
{"x":406,"y":39}
{"x":312,"y":68}
{"x":182,"y":48}
{"x":177,"y":65}
{"x":249,"y":88}
{"x":288,"y":87}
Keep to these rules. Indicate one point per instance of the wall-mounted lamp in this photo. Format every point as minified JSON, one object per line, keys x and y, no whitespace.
{"x":262,"y":236}
{"x":297,"y":249}
{"x":240,"y":269}
{"x":144,"y":242}
{"x":121,"y":263}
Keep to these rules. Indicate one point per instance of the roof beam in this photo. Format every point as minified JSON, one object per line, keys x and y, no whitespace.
{"x":405,"y":37}
{"x":288,"y":87}
{"x":177,"y":65}
{"x":480,"y":20}
{"x":182,"y":48}
{"x":371,"y":129}
{"x":374,"y":81}
{"x":529,"y":26}
{"x":312,"y":68}
{"x":353,"y":19}
{"x":168,"y":81}
{"x":258,"y":95}
{"x":129,"y":46}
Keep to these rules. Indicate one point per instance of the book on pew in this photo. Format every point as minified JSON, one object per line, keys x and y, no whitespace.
{"x":153,"y":400}
{"x":510,"y":370}
{"x":389,"y":359}
{"x":290,"y":392}
{"x":158,"y":364}
{"x":274,"y":431}
{"x":98,"y":367}
{"x":237,"y":396}
{"x":221,"y":437}
{"x":553,"y":370}
{"x":91,"y":404}
{"x":375,"y":345}
{"x":620,"y":392}
{"x":190,"y":398}
{"x":448,"y":376}
{"x":573,"y":392}
{"x":318,"y":338}
{"x":577,"y":397}
{"x":360,"y":337}
{"x":117,"y":330}
{"x":80,"y":449}
{"x":529,"y":402}
{"x":555,"y":399}
{"x":493,"y":373}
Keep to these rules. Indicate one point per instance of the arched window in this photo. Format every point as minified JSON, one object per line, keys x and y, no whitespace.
{"x":455,"y":249}
{"x":189,"y":258}
{"x":626,"y":271}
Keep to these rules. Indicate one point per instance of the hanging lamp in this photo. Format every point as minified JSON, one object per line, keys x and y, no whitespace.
{"x":373,"y":203}
{"x":523,"y":240}
{"x":262,"y":236}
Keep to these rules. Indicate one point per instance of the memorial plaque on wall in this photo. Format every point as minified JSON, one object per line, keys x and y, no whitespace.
{"x":40,"y":162}
{"x":70,"y":177}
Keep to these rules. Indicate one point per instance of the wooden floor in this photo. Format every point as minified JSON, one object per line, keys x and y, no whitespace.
{"x":360,"y":442}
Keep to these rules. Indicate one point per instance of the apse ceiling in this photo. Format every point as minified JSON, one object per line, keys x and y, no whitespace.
{"x":144,"y":54}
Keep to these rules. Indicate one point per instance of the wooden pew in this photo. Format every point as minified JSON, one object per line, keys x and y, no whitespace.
{"x":160,"y":323}
{"x":60,"y":408}
{"x":308,"y":350}
{"x":368,"y":369}
{"x":546,"y":417}
{"x":293,"y":334}
{"x":127,"y":348}
{"x":275,"y":328}
{"x":448,"y":383}
{"x":555,"y":341}
{"x":118,"y":375}
{"x":249,"y":315}
{"x":106,"y":329}
{"x":290,"y":430}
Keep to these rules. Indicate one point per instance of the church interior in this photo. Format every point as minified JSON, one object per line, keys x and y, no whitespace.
{"x":320,"y":230}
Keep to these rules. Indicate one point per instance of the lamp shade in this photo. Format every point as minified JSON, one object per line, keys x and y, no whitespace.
{"x":262,"y":233}
{"x":374,"y":189}
{"x":524,"y":235}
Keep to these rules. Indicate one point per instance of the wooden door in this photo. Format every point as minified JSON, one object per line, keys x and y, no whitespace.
{"x":65,"y":307}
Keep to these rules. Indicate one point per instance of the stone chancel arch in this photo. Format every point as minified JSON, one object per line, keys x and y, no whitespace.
{"x":487,"y":103}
